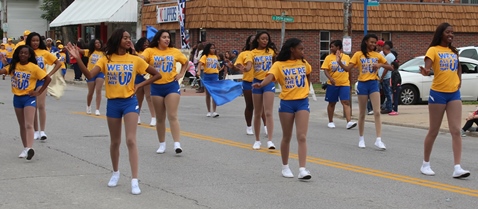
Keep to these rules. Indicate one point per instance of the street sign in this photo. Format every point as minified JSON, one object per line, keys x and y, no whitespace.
{"x":282,"y":18}
{"x":373,"y":3}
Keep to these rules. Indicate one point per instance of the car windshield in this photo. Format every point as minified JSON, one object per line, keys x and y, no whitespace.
{"x":413,"y":65}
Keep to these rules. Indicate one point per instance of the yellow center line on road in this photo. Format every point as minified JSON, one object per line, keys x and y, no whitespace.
{"x":329,"y":163}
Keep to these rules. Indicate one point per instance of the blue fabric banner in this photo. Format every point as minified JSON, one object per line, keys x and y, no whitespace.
{"x":150,"y":32}
{"x":223,"y":91}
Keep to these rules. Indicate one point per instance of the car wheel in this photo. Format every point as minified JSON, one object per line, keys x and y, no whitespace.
{"x":408,"y":95}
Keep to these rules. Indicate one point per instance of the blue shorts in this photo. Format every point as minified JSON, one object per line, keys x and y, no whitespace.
{"x":39,"y":83}
{"x":117,"y":108}
{"x":246,"y":85}
{"x":271,"y":87}
{"x":367,"y":87}
{"x":443,"y":98}
{"x":210,"y":77}
{"x":163,"y":90}
{"x":9,"y":60}
{"x":63,"y":72}
{"x":99,"y":75}
{"x":293,"y":106}
{"x":24,"y":101}
{"x":139,"y":79}
{"x":333,"y":93}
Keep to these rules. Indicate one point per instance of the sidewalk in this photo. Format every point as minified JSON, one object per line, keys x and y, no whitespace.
{"x":415,"y":116}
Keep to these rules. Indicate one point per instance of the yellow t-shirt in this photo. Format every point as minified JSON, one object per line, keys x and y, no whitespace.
{"x":331,"y":65}
{"x":364,"y":65}
{"x":25,"y":78}
{"x":261,"y":62}
{"x":94,"y":58}
{"x":20,"y":43}
{"x":120,"y":73}
{"x":62,"y":60}
{"x":10,"y":49}
{"x":210,"y":64}
{"x":164,"y":61}
{"x":291,"y":75}
{"x":86,"y":52}
{"x":4,"y":52}
{"x":242,"y":59}
{"x":445,"y":68}
{"x":44,"y":58}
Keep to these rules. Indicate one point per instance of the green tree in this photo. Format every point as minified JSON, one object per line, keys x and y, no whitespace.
{"x":52,"y":9}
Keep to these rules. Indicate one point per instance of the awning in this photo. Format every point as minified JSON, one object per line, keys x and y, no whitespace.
{"x":97,"y":11}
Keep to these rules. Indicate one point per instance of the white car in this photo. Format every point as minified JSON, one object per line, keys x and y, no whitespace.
{"x":416,"y":87}
{"x":468,"y":51}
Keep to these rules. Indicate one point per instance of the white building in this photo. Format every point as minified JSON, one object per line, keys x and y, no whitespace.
{"x":23,"y":15}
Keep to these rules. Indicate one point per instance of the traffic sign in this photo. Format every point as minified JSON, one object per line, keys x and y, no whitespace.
{"x":373,"y":3}
{"x":283,"y":18}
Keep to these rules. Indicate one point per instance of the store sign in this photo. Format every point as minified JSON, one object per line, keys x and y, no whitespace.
{"x":347,"y":45}
{"x":167,"y":14}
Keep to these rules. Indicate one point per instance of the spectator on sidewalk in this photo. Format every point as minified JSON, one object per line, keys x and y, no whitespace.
{"x":396,"y":81}
{"x":385,"y":76}
{"x":472,"y":118}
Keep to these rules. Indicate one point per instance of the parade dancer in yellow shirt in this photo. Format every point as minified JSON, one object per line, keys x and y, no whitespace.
{"x":120,"y":68}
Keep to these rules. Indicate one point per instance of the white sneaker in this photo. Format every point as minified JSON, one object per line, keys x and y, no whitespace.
{"x":351,"y":125}
{"x":304,"y":174}
{"x":361,"y":143}
{"x":427,"y":170}
{"x":380,"y":145}
{"x":162,"y":148}
{"x":36,"y":135}
{"x":270,"y":145}
{"x":30,"y":153}
{"x":265,"y":130}
{"x":114,"y":179}
{"x":257,"y":145}
{"x":43,"y":136}
{"x":135,"y":187}
{"x":459,"y":173}
{"x":153,"y":122}
{"x":208,"y":114}
{"x":139,"y":120}
{"x":23,"y":154}
{"x":370,"y":113}
{"x":88,"y":110}
{"x":249,"y":131}
{"x":215,"y":114}
{"x":286,"y":172}
{"x":177,"y":147}
{"x":331,"y":125}
{"x":97,"y":113}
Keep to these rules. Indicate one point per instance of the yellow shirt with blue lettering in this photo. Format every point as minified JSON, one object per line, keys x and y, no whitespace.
{"x":44,"y":58}
{"x":242,"y":59}
{"x":93,"y":58}
{"x":210,"y":64}
{"x":445,"y":69}
{"x":10,"y":49}
{"x":25,"y":78}
{"x":364,"y":65}
{"x":292,"y":77}
{"x":62,"y":59}
{"x":261,"y":62}
{"x":331,"y":65}
{"x":120,"y":72}
{"x":164,"y":61}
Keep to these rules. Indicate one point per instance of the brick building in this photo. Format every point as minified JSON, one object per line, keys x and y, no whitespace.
{"x":408,"y":23}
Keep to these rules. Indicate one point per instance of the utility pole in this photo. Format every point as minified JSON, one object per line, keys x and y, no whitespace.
{"x":347,"y":40}
{"x":139,"y":25}
{"x":4,"y":19}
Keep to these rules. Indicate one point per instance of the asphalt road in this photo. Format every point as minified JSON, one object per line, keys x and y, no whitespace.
{"x":219,"y":168}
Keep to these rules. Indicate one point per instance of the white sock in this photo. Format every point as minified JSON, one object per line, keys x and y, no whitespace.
{"x":176,"y":144}
{"x":116,"y":173}
{"x":379,"y":138}
{"x":162,"y":143}
{"x":426,"y":164}
{"x":361,"y":138}
{"x":457,"y":166}
{"x":302,"y":169}
{"x":285,"y":166}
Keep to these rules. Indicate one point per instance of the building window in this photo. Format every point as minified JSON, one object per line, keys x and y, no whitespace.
{"x":469,"y":1}
{"x":202,"y":35}
{"x":324,"y":45}
{"x":172,"y":33}
{"x":386,"y":36}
